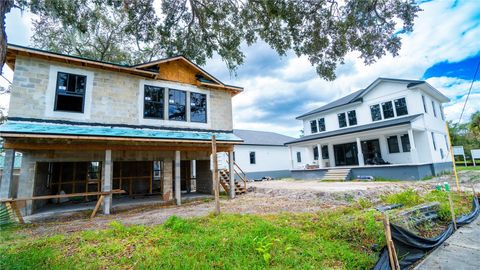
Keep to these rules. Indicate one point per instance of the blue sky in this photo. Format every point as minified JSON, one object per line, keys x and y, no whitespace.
{"x":443,"y":49}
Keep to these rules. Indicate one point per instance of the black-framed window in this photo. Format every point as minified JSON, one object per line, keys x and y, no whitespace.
{"x":387,"y":108}
{"x":252,"y":158}
{"x":313,"y":126}
{"x":70,"y":92}
{"x":442,"y":114}
{"x":177,"y":103}
{"x":424,"y":104}
{"x":434,"y":109}
{"x":375,"y":112}
{"x":153,"y":102}
{"x":401,"y":106}
{"x":299,"y":157}
{"x":325,"y":152}
{"x":392,"y":142}
{"x":315,"y":153}
{"x":441,"y":153}
{"x":198,"y":107}
{"x":433,"y":141}
{"x":321,"y":124}
{"x":342,"y":120}
{"x":352,"y":118}
{"x":405,"y":143}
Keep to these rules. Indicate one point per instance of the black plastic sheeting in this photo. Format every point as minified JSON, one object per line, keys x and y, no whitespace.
{"x":411,"y":248}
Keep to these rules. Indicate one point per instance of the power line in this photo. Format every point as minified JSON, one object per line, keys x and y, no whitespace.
{"x":468,"y":95}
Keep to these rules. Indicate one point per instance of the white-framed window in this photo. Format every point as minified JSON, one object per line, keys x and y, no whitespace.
{"x":253,"y":159}
{"x":69,"y":93}
{"x":313,"y":126}
{"x":299,"y":157}
{"x":321,"y":124}
{"x":434,"y":109}
{"x":348,"y":118}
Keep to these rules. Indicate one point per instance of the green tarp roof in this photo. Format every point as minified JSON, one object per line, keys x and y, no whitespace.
{"x":26,"y":127}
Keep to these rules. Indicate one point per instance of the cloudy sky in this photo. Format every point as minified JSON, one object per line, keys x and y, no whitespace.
{"x":443,"y":49}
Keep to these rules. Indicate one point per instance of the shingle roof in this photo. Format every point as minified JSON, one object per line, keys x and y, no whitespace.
{"x":84,"y":129}
{"x":350,"y":130}
{"x":357,"y":96}
{"x":252,"y":137}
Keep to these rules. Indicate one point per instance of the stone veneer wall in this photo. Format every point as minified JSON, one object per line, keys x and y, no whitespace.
{"x":114,"y":96}
{"x":204,"y":177}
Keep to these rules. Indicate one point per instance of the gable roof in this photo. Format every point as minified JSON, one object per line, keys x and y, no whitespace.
{"x":358,"y":95}
{"x":253,"y":137}
{"x":205,"y":79}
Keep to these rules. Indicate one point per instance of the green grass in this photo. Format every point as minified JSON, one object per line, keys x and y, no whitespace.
{"x":468,"y":168}
{"x":331,"y":239}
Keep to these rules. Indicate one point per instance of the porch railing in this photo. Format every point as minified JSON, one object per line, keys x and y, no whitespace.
{"x":239,"y":172}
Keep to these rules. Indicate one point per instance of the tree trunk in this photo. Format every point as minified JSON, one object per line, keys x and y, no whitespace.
{"x":5,"y":7}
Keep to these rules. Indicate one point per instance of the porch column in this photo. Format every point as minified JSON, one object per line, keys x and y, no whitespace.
{"x":6,"y":185}
{"x":413,"y":148}
{"x":291,"y":157}
{"x":320,"y":158}
{"x":361,"y":161}
{"x":193,"y":175}
{"x":232,"y":174}
{"x":178,"y":191}
{"x":107,"y":181}
{"x":331,"y":155}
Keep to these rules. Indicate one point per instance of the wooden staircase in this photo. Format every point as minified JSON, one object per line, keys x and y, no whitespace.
{"x":224,"y":180}
{"x":337,"y":174}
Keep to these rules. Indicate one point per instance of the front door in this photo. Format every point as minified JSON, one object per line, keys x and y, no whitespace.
{"x":371,"y":151}
{"x":346,"y":154}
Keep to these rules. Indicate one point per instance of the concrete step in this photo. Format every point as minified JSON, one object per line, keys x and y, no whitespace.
{"x":336,"y":174}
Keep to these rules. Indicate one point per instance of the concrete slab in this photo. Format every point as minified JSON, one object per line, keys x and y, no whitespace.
{"x":460,"y":251}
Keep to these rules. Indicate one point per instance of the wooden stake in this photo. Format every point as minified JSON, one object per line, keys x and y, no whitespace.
{"x":452,"y":210}
{"x":453,"y":159}
{"x":97,"y":206}
{"x":392,"y":254}
{"x":17,"y":212}
{"x":215,"y":176}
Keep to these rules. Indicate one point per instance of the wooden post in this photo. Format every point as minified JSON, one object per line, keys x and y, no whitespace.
{"x":453,"y":159}
{"x":392,"y":254}
{"x":452,"y":210}
{"x":97,"y":206}
{"x":216,"y":187}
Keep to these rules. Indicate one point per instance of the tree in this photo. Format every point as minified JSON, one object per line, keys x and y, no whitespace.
{"x":474,"y":125}
{"x":131,"y":31}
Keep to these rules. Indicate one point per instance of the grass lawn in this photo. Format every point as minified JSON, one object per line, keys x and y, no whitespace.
{"x":468,"y":168}
{"x":344,"y":238}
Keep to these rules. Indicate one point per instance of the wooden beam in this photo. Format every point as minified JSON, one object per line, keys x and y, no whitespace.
{"x":82,"y":194}
{"x":97,"y":206}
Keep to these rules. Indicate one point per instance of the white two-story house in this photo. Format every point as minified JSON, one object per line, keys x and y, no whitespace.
{"x":88,"y":126}
{"x":392,"y":129}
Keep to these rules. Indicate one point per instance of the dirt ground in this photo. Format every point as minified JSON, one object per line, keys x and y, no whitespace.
{"x":267,"y":197}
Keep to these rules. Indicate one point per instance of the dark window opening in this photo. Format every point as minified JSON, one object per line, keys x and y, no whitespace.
{"x":441,"y":153}
{"x":424,"y":104}
{"x":233,"y":155}
{"x":321,"y":124}
{"x":70,"y":92}
{"x":252,"y":158}
{"x":157,"y":170}
{"x":325,"y":152}
{"x":442,"y":114}
{"x":392,"y":142}
{"x":401,"y":106}
{"x":315,"y":153}
{"x":176,"y":105}
{"x":387,"y":108}
{"x":154,"y":101}
{"x":342,"y":121}
{"x":405,"y":143}
{"x":299,"y":157}
{"x":446,"y":142}
{"x":313,"y":126}
{"x":352,"y":118}
{"x":375,"y":111}
{"x":198,"y":107}
{"x":433,"y":141}
{"x":434,"y":109}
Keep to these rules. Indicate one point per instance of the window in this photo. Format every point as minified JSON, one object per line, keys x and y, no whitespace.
{"x":342,"y":121}
{"x":176,"y":105}
{"x":375,"y":111}
{"x":352,"y":118}
{"x":441,"y":112}
{"x":313,"y":126}
{"x":321,"y":124}
{"x":387,"y":108}
{"x":401,"y":106}
{"x":325,"y":152}
{"x":441,"y":153}
{"x":157,"y":170}
{"x":70,"y":92}
{"x":433,"y":141}
{"x":433,"y":108}
{"x":446,"y":142}
{"x":392,"y":142}
{"x":198,"y":107}
{"x":299,"y":157}
{"x":153,"y":104}
{"x":233,"y":155}
{"x":424,"y":104}
{"x":252,"y":158}
{"x":405,"y":143}
{"x":94,"y":170}
{"x":315,"y":153}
